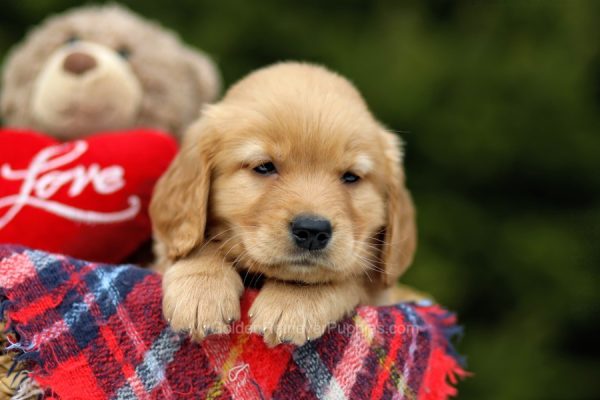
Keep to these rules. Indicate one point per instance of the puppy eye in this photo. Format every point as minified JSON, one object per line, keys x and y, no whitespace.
{"x":124,"y":52}
{"x":350,"y":177}
{"x":267,"y":168}
{"x":72,"y":39}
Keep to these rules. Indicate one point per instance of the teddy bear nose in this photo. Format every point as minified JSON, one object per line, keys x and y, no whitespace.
{"x":79,"y":63}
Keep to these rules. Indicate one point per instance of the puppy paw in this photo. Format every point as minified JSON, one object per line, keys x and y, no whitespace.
{"x":202,"y":304}
{"x":295,"y":314}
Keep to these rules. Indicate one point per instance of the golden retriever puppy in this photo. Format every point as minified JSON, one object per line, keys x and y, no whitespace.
{"x":291,"y":178}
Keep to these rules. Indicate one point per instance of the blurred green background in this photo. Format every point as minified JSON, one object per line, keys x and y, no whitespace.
{"x":499,"y":105}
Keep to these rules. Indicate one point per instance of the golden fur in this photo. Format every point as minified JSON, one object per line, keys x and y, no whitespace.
{"x":213,"y":216}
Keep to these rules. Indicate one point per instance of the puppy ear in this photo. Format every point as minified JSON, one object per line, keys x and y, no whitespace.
{"x":205,"y":74}
{"x":179,"y":204}
{"x":400,"y":234}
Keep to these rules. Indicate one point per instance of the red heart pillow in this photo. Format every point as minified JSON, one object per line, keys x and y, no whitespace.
{"x":86,"y":198}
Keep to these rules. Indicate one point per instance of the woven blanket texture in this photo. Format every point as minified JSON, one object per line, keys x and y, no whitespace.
{"x":95,"y":331}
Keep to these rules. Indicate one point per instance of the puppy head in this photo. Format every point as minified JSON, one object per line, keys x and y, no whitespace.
{"x":294,"y":178}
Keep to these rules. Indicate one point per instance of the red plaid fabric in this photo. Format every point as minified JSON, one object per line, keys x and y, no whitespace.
{"x":95,"y":331}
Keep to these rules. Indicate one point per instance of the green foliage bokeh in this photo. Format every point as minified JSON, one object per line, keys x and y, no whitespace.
{"x":498,"y":103}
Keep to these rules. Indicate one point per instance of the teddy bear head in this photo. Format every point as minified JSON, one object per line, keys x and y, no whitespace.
{"x":101,"y":68}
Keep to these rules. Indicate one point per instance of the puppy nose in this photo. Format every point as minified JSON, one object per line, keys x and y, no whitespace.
{"x":311,"y":232}
{"x":79,"y":63}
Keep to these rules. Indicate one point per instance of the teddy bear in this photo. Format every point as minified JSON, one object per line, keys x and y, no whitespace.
{"x":65,"y":186}
{"x":94,"y":101}
{"x":103,"y":68}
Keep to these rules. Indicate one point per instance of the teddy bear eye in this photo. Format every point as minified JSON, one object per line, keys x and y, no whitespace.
{"x":124,"y":52}
{"x":72,"y":39}
{"x":350,"y":177}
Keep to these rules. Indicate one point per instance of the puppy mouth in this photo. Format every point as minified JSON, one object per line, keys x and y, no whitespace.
{"x":299,"y":260}
{"x":302,"y":263}
{"x":305,"y":259}
{"x":293,"y":266}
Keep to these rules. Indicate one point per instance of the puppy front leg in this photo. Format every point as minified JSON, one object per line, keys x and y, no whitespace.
{"x":201,"y":293}
{"x":287,"y":312}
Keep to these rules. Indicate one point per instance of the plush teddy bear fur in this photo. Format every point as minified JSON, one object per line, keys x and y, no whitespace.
{"x":99,"y":68}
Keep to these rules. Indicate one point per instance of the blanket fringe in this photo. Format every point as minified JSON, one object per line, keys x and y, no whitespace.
{"x":27,"y":389}
{"x":442,"y":376}
{"x":15,"y":382}
{"x":445,"y":365}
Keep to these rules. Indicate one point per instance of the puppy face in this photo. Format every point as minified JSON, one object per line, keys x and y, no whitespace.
{"x":301,"y":202}
{"x":294,"y":178}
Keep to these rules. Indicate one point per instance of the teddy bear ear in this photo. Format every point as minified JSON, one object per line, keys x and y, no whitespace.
{"x":6,"y":106}
{"x":206,"y":74}
{"x":8,"y":103}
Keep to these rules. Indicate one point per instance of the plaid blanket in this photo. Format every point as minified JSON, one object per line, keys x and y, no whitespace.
{"x":94,"y":331}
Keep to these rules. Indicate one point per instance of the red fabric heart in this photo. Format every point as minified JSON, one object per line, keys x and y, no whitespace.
{"x":87,"y":198}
